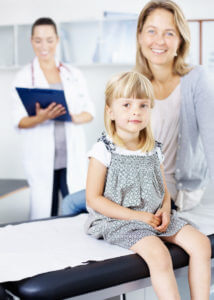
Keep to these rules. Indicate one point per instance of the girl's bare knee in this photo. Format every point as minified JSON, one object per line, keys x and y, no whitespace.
{"x":154,"y":252}
{"x":160,"y":258}
{"x":204,"y":248}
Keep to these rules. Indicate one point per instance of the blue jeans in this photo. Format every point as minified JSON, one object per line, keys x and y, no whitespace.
{"x":74,"y":204}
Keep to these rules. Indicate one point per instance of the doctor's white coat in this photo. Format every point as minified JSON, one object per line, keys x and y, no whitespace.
{"x":38,"y":142}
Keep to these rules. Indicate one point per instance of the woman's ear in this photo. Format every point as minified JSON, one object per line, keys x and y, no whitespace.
{"x":110,"y":112}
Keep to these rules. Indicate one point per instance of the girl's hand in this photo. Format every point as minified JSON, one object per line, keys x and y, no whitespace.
{"x":51,"y":112}
{"x":149,"y":218}
{"x":164,"y":216}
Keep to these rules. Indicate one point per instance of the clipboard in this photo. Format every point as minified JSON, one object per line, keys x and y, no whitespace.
{"x":29,"y":97}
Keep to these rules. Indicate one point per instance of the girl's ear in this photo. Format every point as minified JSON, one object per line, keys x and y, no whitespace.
{"x":110,"y":112}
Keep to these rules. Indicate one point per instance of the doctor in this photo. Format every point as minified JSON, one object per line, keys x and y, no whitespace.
{"x":53,"y":152}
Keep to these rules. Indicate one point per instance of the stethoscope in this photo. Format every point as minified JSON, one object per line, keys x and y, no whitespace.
{"x":61,"y":65}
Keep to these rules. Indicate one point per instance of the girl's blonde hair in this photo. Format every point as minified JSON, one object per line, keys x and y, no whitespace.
{"x":179,"y":67}
{"x":129,"y":85}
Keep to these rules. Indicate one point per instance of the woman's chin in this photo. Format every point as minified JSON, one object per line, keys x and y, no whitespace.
{"x":45,"y":58}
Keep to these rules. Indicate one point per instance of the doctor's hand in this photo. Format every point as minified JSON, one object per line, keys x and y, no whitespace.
{"x":83,"y":117}
{"x":51,"y":112}
{"x":164,"y":215}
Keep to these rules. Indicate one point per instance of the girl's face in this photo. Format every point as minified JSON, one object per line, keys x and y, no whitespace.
{"x":159,"y":39}
{"x":130,"y":115}
{"x":44,"y":42}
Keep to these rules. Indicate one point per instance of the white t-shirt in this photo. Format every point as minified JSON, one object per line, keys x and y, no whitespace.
{"x":100,"y":152}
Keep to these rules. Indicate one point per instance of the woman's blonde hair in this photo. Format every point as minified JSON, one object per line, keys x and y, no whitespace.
{"x":129,"y":85}
{"x":179,"y":67}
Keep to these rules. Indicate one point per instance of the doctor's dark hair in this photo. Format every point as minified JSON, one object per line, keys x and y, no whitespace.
{"x":129,"y":85}
{"x":180,"y":67}
{"x":44,"y":21}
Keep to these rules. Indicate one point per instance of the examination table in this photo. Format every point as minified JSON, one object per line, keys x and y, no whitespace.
{"x":94,"y":280}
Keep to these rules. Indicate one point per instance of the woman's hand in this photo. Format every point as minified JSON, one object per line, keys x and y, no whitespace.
{"x":148,"y":218}
{"x":51,"y":112}
{"x":42,"y":114}
{"x":164,"y":216}
{"x":83,"y":117}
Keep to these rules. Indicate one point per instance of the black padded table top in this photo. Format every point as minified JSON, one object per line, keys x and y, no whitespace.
{"x":91,"y":277}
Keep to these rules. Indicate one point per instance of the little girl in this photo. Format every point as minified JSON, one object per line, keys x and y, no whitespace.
{"x":127,"y":198}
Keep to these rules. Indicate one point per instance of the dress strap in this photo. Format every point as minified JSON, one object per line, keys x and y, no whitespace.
{"x":158,"y":144}
{"x":110,"y":146}
{"x":158,"y":147}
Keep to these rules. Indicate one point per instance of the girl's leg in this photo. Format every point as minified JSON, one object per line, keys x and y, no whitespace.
{"x":158,"y":259}
{"x":197,"y":245}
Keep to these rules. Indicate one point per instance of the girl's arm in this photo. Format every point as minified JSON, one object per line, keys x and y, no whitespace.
{"x":165,"y":210}
{"x":166,"y":205}
{"x":95,"y":200}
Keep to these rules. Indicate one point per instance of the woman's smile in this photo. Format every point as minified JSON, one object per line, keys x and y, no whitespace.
{"x":158,"y":51}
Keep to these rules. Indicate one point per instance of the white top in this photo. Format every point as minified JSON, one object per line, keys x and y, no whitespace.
{"x":165,"y":125}
{"x":100,"y":152}
{"x":38,"y":148}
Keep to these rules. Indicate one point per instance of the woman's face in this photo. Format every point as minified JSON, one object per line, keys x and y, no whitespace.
{"x":44,"y":42}
{"x":159,"y":39}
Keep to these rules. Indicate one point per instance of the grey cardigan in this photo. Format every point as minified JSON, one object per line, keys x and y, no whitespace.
{"x":196,"y":132}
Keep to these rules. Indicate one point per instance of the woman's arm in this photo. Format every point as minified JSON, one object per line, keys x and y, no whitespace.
{"x":83,"y":117}
{"x":95,"y":200}
{"x":51,"y":112}
{"x":86,"y":106}
{"x":204,"y":108}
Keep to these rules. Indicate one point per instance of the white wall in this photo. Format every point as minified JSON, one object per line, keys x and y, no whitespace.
{"x":10,"y":155}
{"x":26,"y":11}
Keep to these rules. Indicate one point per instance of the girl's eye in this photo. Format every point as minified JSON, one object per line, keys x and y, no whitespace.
{"x":126,"y":105}
{"x":144,"y":105}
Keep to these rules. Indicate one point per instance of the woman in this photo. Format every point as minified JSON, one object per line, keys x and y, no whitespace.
{"x":53,"y":152}
{"x":182,"y":115}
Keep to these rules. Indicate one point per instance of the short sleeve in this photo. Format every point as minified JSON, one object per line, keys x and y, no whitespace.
{"x":159,"y":153}
{"x":100,"y":152}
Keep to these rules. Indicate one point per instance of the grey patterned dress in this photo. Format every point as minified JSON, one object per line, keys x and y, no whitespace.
{"x":133,"y":181}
